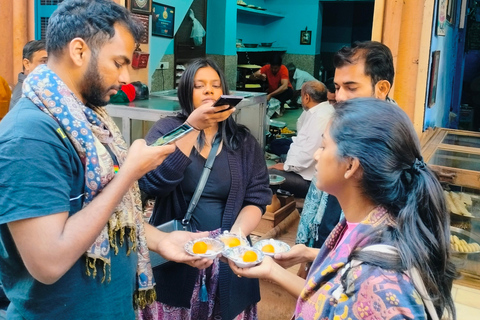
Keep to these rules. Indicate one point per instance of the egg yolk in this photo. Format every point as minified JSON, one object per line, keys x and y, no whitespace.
{"x":268,"y":248}
{"x":199,"y":247}
{"x":249,"y":256}
{"x":234,"y":242}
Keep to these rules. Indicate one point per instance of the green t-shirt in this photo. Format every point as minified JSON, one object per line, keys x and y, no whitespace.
{"x":41,"y":174}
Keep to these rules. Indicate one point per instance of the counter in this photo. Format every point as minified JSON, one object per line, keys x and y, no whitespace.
{"x":131,"y":117}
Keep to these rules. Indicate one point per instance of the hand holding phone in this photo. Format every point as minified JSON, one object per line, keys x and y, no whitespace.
{"x":231,"y":100}
{"x":173,"y":135}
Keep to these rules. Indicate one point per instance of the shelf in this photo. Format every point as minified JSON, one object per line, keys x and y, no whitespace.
{"x":258,"y":13}
{"x":261,"y":49}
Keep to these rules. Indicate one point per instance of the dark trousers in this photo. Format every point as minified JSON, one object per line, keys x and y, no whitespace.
{"x":294,"y":183}
{"x":284,"y":96}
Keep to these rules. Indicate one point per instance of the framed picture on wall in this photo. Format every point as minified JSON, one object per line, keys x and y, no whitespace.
{"x":140,"y":6}
{"x":145,"y":20}
{"x":305,"y":37}
{"x":432,"y":90}
{"x":163,"y":20}
{"x":442,"y":20}
{"x":451,"y":11}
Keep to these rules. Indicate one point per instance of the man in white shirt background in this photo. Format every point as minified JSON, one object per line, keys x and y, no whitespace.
{"x":299,"y":166}
{"x":297,"y":79}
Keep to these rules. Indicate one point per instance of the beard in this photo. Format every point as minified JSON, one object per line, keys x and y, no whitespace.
{"x":92,"y":89}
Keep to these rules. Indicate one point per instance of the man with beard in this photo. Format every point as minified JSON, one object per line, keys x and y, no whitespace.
{"x":73,"y":244}
{"x":363,"y":70}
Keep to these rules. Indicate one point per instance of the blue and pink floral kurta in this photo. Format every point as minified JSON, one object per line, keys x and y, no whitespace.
{"x":370,"y":292}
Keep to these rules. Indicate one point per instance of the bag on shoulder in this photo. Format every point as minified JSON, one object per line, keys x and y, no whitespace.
{"x":184,"y":224}
{"x":170,"y":226}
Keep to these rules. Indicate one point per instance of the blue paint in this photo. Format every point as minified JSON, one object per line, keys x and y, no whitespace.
{"x":450,"y":73}
{"x":221,"y":27}
{"x":225,"y":25}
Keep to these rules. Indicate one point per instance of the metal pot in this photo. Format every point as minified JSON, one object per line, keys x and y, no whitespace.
{"x":250,"y":45}
{"x":267,"y":44}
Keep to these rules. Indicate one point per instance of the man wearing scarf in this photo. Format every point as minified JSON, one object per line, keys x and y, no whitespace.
{"x":73,"y":244}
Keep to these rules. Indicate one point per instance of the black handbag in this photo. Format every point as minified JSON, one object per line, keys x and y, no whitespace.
{"x":184,"y":224}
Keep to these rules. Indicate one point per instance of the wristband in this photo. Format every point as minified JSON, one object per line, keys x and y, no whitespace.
{"x":188,"y":124}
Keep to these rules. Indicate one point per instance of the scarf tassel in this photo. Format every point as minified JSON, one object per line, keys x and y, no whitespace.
{"x":203,"y":289}
{"x":91,"y":264}
{"x":144,"y":297}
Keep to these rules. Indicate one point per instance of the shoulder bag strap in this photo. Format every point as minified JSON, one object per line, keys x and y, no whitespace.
{"x":412,"y":273}
{"x":203,"y":179}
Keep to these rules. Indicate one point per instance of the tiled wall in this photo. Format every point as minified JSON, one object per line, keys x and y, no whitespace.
{"x":229,"y":66}
{"x":303,"y":62}
{"x":163,"y":79}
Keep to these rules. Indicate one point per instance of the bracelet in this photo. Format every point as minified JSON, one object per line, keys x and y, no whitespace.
{"x":188,"y":124}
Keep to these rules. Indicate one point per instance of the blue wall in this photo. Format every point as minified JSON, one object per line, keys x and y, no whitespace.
{"x":450,"y":73}
{"x":298,"y":15}
{"x":160,"y":46}
{"x":225,"y":26}
{"x":221,"y":26}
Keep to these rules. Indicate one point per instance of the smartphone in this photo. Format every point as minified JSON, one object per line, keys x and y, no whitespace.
{"x":232,"y":101}
{"x":173,"y":135}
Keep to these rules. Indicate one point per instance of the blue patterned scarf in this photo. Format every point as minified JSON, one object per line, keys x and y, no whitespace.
{"x":312,"y":214}
{"x":90,"y":131}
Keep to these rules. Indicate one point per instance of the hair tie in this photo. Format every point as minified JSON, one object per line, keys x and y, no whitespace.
{"x":418,"y":165}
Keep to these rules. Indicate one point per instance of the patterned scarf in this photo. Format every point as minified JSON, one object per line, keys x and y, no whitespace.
{"x":312,"y":215}
{"x":90,"y":131}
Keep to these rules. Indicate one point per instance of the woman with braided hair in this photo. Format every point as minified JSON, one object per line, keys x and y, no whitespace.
{"x":389,"y":257}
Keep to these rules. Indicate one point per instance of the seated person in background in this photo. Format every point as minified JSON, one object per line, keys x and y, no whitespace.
{"x":330,"y":84}
{"x":276,"y":74}
{"x":299,"y":166}
{"x":34,"y":53}
{"x":297,"y":79}
{"x":389,"y":257}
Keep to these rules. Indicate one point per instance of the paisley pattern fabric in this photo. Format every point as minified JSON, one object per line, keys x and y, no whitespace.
{"x":92,"y":131}
{"x":209,"y":310}
{"x":369,"y":292}
{"x":312,"y":214}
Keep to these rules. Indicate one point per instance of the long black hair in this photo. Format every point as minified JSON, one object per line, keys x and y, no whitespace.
{"x":232,"y":133}
{"x":381,"y":136}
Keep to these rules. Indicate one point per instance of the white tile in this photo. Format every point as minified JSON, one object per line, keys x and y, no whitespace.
{"x":466,"y":312}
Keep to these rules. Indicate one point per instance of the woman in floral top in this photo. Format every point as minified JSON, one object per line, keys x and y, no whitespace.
{"x":395,"y":225}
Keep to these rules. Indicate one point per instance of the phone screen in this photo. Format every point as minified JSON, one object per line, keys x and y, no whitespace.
{"x":173,"y":135}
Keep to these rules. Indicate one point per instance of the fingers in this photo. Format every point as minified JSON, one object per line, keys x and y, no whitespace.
{"x":198,"y":235}
{"x":201,"y":263}
{"x":206,"y":115}
{"x":166,"y":149}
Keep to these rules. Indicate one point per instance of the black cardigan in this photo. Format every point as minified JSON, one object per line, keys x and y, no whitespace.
{"x":249,"y":186}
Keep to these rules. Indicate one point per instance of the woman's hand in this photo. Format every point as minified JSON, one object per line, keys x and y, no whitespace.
{"x":262,"y":271}
{"x":207,"y":115}
{"x":297,"y":254}
{"x":172,"y":247}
